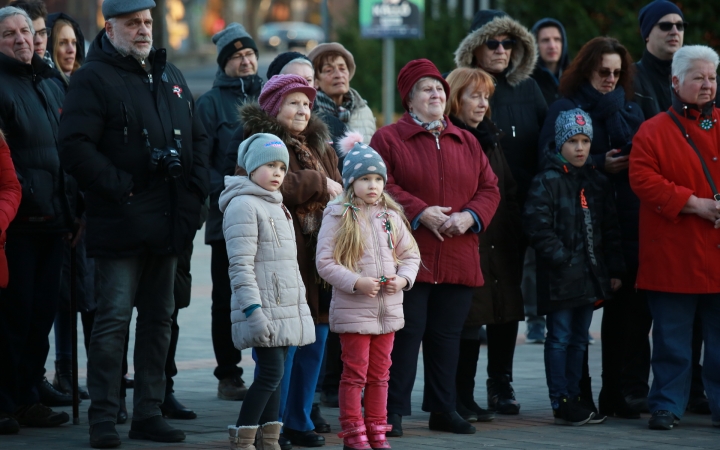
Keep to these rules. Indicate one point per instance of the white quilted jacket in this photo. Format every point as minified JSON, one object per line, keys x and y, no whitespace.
{"x":260,"y":242}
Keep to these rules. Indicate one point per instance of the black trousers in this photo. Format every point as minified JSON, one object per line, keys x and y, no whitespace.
{"x":226,"y":355}
{"x":262,"y":402}
{"x":625,"y":328}
{"x":27,"y":311}
{"x":501,"y":340}
{"x":434,"y":316}
{"x":333,"y":363}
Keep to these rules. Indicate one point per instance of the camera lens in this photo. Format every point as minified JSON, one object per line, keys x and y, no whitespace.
{"x":174,"y":168}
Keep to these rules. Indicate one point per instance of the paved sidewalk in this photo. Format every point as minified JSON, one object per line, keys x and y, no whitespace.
{"x":532,"y":429}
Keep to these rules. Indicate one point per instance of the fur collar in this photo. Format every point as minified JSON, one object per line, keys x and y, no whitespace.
{"x":255,"y":120}
{"x":524,"y":55}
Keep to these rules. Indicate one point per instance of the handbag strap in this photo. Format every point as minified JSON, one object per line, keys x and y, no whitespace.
{"x":716,"y":195}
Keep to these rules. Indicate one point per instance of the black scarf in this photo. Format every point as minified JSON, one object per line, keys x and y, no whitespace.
{"x":610,"y":108}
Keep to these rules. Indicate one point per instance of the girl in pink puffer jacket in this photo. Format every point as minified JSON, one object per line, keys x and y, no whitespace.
{"x":368,"y":254}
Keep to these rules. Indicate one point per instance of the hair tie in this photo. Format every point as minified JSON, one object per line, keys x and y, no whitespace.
{"x":353,"y":210}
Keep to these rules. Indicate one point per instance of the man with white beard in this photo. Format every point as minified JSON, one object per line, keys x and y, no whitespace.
{"x":129,"y":135}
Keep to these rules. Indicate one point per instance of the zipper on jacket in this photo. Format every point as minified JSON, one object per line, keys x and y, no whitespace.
{"x":125,"y":117}
{"x":276,"y":283}
{"x":378,"y":267}
{"x":272,"y":224}
{"x":190,"y":109}
{"x":437,"y":142}
{"x":513,"y":130}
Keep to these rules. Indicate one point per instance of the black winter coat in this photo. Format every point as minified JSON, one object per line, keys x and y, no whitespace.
{"x":570,"y":221}
{"x":652,"y":85}
{"x":500,"y":299}
{"x":30,"y":108}
{"x":218,"y":111}
{"x":133,"y":208}
{"x":606,"y":138}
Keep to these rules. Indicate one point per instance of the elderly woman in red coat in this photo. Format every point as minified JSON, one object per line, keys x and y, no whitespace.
{"x":680,"y":233}
{"x":443,"y":180}
{"x":10,"y":193}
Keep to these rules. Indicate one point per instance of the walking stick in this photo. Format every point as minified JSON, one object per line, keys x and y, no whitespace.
{"x":73,"y":326}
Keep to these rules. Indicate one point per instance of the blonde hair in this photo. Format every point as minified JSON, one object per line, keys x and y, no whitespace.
{"x":59,"y":25}
{"x":467,"y":78}
{"x":349,"y":243}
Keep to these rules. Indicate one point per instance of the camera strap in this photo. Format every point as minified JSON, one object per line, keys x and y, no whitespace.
{"x":709,"y":178}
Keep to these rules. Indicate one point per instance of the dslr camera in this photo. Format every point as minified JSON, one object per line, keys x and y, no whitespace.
{"x":167,"y":160}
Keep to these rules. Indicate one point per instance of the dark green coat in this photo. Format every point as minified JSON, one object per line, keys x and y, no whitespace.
{"x":500,"y":299}
{"x":571,"y":222}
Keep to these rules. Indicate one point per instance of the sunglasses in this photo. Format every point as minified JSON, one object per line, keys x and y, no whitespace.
{"x":667,"y":26}
{"x":605,"y":73}
{"x":507,"y":44}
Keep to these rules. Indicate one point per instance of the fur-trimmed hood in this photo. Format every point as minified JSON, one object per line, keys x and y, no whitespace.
{"x":255,"y":120}
{"x":524,"y":55}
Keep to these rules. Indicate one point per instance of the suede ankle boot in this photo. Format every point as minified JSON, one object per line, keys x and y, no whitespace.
{"x":242,"y":437}
{"x":268,"y":436}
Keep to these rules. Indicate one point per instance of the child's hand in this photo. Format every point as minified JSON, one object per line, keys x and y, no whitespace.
{"x":368,"y":286}
{"x":395,"y":284}
{"x":615,"y":284}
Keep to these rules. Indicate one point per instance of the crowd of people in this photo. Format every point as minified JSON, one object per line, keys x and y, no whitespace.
{"x":521,"y":185}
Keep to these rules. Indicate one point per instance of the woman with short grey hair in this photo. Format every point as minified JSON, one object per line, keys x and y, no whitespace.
{"x":674,"y":172}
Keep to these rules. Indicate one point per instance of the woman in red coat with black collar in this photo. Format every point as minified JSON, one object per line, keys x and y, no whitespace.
{"x":443,"y":180}
{"x":680,"y":233}
{"x":10,"y":193}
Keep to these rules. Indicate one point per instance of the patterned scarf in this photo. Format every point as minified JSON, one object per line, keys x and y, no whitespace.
{"x":435,"y":127}
{"x":342,"y":112}
{"x":309,"y":213}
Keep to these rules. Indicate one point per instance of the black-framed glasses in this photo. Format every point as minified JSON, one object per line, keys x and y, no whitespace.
{"x":667,"y":26}
{"x":507,"y":44}
{"x":605,"y":73}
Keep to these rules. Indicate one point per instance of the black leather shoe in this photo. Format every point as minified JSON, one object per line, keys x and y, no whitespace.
{"x":501,"y":396}
{"x":8,"y":424}
{"x":663,"y":420}
{"x":122,"y":415}
{"x":467,"y":414}
{"x":49,"y":396}
{"x":104,"y":435}
{"x":173,"y":409}
{"x":450,"y":421}
{"x":637,"y":404}
{"x":284,"y":443}
{"x":155,"y":429}
{"x":396,"y":421}
{"x":40,"y":416}
{"x":321,"y":425}
{"x":304,"y":438}
{"x":483,"y":415}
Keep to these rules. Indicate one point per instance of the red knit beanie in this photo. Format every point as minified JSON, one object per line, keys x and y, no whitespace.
{"x":278,"y":87}
{"x":412,"y":72}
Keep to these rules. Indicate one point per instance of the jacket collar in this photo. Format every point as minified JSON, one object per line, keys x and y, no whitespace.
{"x":14,"y":67}
{"x":103,"y":50}
{"x":690,"y":111}
{"x":656,"y":65}
{"x":407,"y":128}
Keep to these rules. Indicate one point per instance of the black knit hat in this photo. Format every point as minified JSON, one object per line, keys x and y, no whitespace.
{"x":280,"y":61}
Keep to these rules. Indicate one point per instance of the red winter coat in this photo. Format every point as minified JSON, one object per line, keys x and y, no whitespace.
{"x":10,"y":193}
{"x":457,"y":174}
{"x":679,"y":253}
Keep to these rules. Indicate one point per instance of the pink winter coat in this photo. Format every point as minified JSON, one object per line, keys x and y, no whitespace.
{"x":354,"y":312}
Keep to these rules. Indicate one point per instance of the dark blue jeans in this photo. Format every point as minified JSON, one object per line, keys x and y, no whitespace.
{"x":27,"y":311}
{"x":145,"y":282}
{"x":565,"y":345}
{"x":673,"y":317}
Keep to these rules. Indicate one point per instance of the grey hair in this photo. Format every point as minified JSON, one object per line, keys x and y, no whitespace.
{"x":417,"y":83}
{"x":685,"y":57}
{"x":305,"y":61}
{"x":10,"y":11}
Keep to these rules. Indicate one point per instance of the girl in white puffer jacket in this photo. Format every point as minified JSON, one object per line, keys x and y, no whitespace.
{"x":368,"y":254}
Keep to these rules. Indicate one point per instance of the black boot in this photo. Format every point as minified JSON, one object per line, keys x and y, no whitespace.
{"x":451,"y":422}
{"x":63,"y":379}
{"x":501,"y":396}
{"x":49,"y":396}
{"x":396,"y":421}
{"x":613,"y":404}
{"x":173,"y":409}
{"x":122,"y":415}
{"x":155,"y":429}
{"x":321,"y":425}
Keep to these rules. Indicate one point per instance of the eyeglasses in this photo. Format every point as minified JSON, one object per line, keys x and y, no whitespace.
{"x":507,"y":44}
{"x":240,"y":56}
{"x":667,"y":26}
{"x":605,"y":73}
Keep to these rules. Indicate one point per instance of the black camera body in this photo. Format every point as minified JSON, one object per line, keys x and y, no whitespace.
{"x":166,"y":160}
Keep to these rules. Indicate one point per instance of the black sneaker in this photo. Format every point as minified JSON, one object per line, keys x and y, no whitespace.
{"x":8,"y":424}
{"x":501,"y":396}
{"x":104,"y":435}
{"x":483,"y":415}
{"x":451,"y":422}
{"x":155,"y":429}
{"x":588,"y":405}
{"x":663,"y":420}
{"x":568,"y":413}
{"x":465,"y":413}
{"x":396,"y":421}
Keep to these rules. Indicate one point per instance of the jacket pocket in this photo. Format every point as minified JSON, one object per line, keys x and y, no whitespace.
{"x":37,"y":194}
{"x":276,"y":288}
{"x":567,"y":282}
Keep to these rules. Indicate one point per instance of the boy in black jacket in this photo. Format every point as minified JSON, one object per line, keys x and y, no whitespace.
{"x":571,"y":222}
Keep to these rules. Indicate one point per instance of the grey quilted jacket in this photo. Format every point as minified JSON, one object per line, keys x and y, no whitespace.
{"x":261,"y":246}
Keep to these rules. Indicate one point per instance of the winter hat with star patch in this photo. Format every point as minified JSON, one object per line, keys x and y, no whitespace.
{"x":360,"y":159}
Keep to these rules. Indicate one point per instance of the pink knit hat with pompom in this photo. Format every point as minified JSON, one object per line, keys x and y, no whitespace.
{"x":278,"y":87}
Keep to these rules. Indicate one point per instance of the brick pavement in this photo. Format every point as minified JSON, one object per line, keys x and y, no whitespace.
{"x":532,"y":429}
